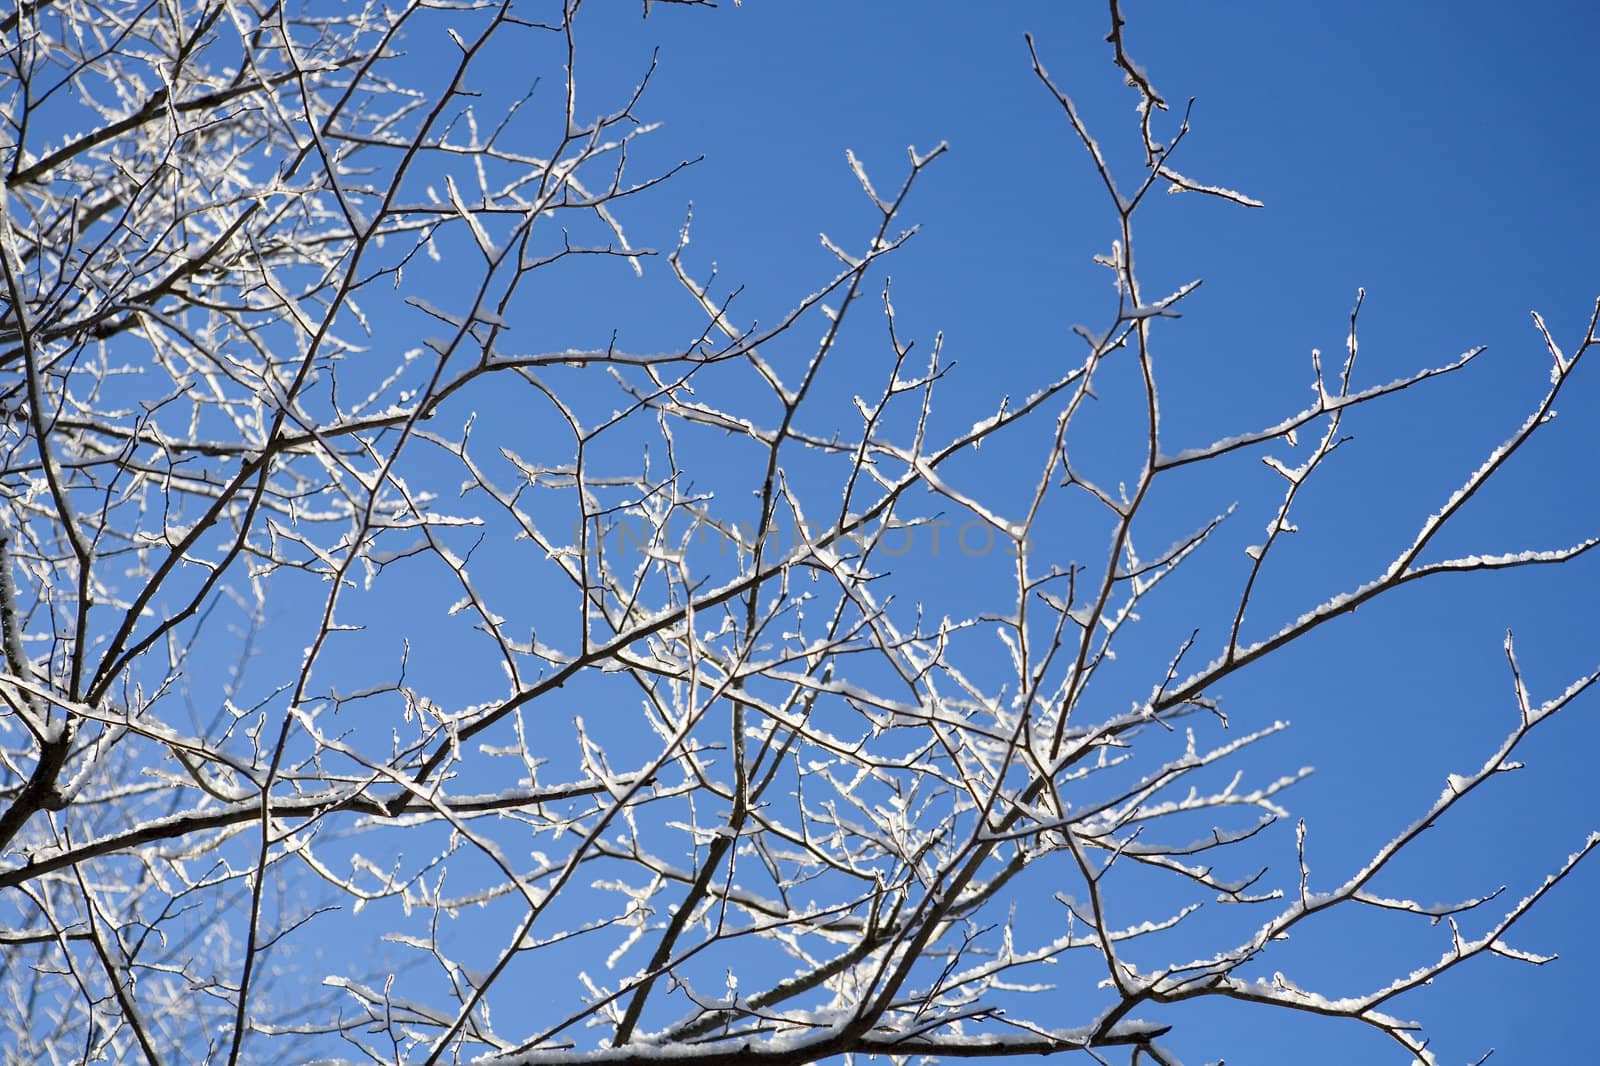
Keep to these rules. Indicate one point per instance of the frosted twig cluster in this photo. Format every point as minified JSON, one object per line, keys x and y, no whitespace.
{"x":398,"y":668}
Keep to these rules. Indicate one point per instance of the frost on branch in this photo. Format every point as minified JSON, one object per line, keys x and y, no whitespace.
{"x":413,"y":652}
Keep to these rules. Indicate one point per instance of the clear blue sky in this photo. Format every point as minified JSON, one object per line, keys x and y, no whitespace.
{"x":1442,"y":156}
{"x":1439,"y":155}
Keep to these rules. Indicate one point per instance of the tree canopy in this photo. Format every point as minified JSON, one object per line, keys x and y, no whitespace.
{"x":447,"y":616}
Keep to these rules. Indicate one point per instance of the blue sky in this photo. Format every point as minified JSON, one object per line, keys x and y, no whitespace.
{"x":1439,"y":156}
